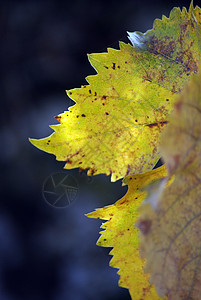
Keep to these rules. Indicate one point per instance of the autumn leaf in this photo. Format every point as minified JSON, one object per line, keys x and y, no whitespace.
{"x":172,"y":243}
{"x":114,"y":126}
{"x":121,"y":234}
{"x":177,"y":38}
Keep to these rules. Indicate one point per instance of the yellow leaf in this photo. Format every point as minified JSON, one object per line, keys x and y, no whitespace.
{"x":172,"y":244}
{"x":115,"y":125}
{"x":121,"y":234}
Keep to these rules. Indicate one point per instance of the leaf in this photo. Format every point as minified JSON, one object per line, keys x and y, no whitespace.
{"x":121,"y":234}
{"x":172,"y":245}
{"x":176,"y":38}
{"x":115,"y":125}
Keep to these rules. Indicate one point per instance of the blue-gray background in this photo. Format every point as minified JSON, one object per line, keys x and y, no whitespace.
{"x":48,"y":253}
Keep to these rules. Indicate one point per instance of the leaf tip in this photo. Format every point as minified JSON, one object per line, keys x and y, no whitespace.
{"x":92,"y":215}
{"x":58,"y":118}
{"x":34,"y":142}
{"x":191,"y":7}
{"x":137,"y":39}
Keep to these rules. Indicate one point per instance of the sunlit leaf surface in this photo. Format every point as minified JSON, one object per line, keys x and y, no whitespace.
{"x":121,"y":234}
{"x":115,"y":124}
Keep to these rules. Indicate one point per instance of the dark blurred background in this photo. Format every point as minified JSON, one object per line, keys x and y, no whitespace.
{"x":46,"y":252}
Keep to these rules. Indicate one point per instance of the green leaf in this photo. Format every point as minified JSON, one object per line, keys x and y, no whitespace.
{"x":171,"y":244}
{"x":115,"y":125}
{"x":121,"y":234}
{"x":176,"y":38}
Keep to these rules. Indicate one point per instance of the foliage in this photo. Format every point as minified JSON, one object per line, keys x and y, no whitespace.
{"x":115,"y":128}
{"x":120,"y":234}
{"x":172,"y":242}
{"x":115,"y":124}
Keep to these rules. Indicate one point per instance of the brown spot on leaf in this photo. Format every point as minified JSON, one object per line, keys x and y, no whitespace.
{"x":68,"y":161}
{"x":103,"y":97}
{"x":107,"y":113}
{"x":173,"y":89}
{"x":106,"y":67}
{"x":92,"y":171}
{"x":113,"y":66}
{"x":58,"y":118}
{"x":124,"y":201}
{"x":83,"y":115}
{"x":163,"y":47}
{"x":161,"y":124}
{"x":144,"y":226}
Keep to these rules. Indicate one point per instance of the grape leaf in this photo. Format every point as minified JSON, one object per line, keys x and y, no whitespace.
{"x":172,"y":243}
{"x":115,"y":124}
{"x":121,"y":234}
